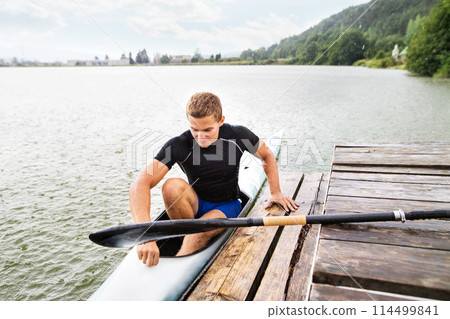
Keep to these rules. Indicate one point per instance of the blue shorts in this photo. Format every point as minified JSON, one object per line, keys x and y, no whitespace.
{"x":230,"y":209}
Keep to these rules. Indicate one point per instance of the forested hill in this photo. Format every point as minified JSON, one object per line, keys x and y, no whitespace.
{"x":386,"y":23}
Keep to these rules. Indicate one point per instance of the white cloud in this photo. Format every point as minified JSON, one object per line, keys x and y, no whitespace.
{"x":164,"y":27}
{"x":254,"y":33}
{"x":198,"y":11}
{"x":81,"y":7}
{"x":261,"y":32}
{"x":25,"y":18}
{"x":186,"y":11}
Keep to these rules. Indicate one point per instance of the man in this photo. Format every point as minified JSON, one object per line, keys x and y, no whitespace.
{"x":209,"y":154}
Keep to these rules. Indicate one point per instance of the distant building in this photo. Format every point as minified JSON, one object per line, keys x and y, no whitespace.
{"x":96,"y":62}
{"x":22,"y":62}
{"x":402,"y":55}
{"x":157,"y":58}
{"x":6,"y":62}
{"x":395,"y":52}
{"x":180,"y":58}
{"x":399,"y":56}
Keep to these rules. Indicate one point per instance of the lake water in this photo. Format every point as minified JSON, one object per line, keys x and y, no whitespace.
{"x":72,"y":141}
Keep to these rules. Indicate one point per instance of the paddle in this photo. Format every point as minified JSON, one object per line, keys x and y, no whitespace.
{"x":134,"y":234}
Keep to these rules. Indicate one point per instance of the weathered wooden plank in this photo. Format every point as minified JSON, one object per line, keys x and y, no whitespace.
{"x":402,"y":270}
{"x":239,"y":246}
{"x":367,"y":233}
{"x":384,"y":145}
{"x":244,"y":274}
{"x":232,"y":274}
{"x":397,"y":149}
{"x":391,"y":169}
{"x":392,"y":178}
{"x":409,"y":258}
{"x":208,"y":286}
{"x":276,"y":276}
{"x":345,"y":205}
{"x":440,"y":160}
{"x":381,"y":185}
{"x":302,"y":272}
{"x":365,"y":205}
{"x":426,"y":192}
{"x":320,"y":292}
{"x":416,"y":225}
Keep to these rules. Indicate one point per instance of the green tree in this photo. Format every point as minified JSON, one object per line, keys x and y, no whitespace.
{"x":429,"y":49}
{"x":165,"y":59}
{"x":412,"y":28}
{"x":142,"y":57}
{"x":310,"y":53}
{"x":348,"y":49}
{"x":261,"y":53}
{"x":247,"y":54}
{"x":218,"y":57}
{"x":197,"y":57}
{"x":384,"y":25}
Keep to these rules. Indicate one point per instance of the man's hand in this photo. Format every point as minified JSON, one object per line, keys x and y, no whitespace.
{"x":148,"y":253}
{"x":288,"y":203}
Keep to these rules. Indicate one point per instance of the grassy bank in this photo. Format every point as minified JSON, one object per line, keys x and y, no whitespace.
{"x":384,"y":63}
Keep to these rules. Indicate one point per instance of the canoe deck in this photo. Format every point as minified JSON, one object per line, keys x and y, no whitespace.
{"x":365,"y":261}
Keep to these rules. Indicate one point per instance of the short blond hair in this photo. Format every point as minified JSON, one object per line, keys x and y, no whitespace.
{"x":203,"y":104}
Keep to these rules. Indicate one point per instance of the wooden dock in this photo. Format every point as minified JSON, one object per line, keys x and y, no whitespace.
{"x":358,"y":261}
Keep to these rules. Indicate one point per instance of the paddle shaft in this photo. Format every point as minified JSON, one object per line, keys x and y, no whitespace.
{"x":133,"y":234}
{"x":353,"y":218}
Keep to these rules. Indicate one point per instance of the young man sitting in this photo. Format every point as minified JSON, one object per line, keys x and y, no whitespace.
{"x":209,"y":153}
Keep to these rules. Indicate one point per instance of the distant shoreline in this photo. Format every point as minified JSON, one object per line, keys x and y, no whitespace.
{"x":361,"y":63}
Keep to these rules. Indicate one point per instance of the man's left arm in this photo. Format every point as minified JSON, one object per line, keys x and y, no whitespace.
{"x":271,"y":170}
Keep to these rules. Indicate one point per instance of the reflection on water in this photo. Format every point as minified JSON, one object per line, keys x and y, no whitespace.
{"x":65,"y":168}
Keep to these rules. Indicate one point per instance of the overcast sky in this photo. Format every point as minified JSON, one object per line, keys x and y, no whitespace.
{"x":49,"y":30}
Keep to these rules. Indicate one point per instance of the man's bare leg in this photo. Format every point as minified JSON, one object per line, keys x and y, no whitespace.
{"x":195,"y":242}
{"x":181,"y":202}
{"x":180,"y":199}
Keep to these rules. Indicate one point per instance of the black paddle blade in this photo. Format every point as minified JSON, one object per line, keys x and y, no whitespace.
{"x":126,"y":236}
{"x":135,"y":234}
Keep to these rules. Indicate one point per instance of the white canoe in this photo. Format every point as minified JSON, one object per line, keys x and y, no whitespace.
{"x":174,"y":277}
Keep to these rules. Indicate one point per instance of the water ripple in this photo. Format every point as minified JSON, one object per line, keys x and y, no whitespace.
{"x":63,"y":163}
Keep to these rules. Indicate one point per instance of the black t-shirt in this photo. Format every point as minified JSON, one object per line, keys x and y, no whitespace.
{"x":212,"y":171}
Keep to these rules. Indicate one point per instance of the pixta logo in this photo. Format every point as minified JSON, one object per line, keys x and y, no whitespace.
{"x":143,"y":146}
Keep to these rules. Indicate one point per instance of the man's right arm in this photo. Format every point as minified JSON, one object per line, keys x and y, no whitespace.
{"x":140,"y":206}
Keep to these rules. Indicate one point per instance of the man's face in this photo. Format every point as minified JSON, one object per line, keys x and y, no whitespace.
{"x":205,"y":129}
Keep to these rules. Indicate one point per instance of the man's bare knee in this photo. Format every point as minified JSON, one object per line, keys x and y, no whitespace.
{"x":179,"y":199}
{"x":173,"y":188}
